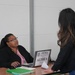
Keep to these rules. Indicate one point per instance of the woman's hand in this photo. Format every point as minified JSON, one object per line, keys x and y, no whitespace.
{"x":15,"y":64}
{"x":49,"y":70}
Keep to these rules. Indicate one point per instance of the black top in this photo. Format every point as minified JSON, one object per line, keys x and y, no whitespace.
{"x":7,"y":56}
{"x":66,"y":58}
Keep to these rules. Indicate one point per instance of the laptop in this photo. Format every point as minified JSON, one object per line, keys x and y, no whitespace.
{"x":40,"y":57}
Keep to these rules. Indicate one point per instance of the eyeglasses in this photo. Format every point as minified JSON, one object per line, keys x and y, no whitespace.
{"x":13,"y":39}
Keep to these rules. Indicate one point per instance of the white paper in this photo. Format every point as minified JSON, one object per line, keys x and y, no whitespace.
{"x":27,"y":68}
{"x":44,"y":65}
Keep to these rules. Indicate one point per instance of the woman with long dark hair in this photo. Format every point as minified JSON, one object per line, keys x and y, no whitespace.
{"x":65,"y":61}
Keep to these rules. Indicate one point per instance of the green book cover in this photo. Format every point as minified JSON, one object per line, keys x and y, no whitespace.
{"x":19,"y":71}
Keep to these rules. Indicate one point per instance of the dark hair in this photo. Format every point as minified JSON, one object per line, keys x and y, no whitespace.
{"x":66,"y":23}
{"x":4,"y":40}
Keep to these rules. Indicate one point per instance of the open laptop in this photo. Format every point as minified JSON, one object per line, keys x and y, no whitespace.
{"x":40,"y":57}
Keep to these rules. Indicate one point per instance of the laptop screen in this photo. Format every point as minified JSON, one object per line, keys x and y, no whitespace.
{"x":42,"y":56}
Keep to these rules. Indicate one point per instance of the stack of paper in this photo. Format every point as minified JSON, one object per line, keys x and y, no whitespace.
{"x":28,"y":68}
{"x":19,"y":71}
{"x":44,"y":65}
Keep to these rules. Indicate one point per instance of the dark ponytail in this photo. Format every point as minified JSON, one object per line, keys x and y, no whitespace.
{"x":3,"y":43}
{"x":4,"y":40}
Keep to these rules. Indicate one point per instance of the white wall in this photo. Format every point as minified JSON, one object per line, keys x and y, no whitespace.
{"x":46,"y":14}
{"x":14,"y":18}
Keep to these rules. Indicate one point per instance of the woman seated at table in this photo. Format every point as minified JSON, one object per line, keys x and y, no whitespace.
{"x":13,"y":55}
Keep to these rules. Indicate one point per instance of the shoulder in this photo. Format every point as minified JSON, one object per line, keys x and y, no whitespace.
{"x":22,"y":50}
{"x":20,"y":47}
{"x":4,"y":48}
{"x":70,"y":42}
{"x":68,"y":46}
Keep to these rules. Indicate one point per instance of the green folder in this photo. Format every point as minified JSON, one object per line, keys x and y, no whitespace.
{"x":19,"y":71}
